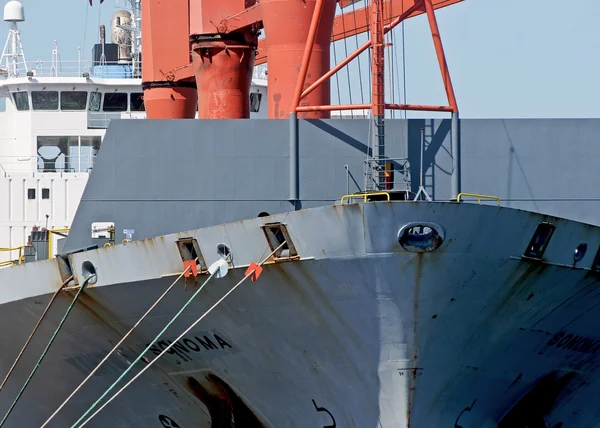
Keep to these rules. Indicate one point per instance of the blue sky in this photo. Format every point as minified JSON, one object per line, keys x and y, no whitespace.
{"x":507,"y":58}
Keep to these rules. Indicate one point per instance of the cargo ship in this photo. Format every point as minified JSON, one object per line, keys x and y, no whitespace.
{"x":301,"y":270}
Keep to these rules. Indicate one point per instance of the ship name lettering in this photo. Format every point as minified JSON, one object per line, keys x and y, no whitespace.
{"x":573,"y":342}
{"x":186,"y":347}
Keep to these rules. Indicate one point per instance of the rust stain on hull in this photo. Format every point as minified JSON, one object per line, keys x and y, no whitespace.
{"x":412,"y":380}
{"x":226,"y":408}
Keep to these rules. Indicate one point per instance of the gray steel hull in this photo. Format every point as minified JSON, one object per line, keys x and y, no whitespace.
{"x":358,"y":330}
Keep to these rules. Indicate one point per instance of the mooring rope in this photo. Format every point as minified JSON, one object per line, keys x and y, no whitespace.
{"x":248,"y":274}
{"x":139,"y":357}
{"x":54,"y":296}
{"x":117,"y":345}
{"x":85,"y":283}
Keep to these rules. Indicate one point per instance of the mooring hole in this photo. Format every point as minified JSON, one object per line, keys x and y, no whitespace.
{"x":421,"y":237}
{"x":279,"y":240}
{"x":224,"y":251}
{"x":539,"y":241}
{"x":190,"y":250}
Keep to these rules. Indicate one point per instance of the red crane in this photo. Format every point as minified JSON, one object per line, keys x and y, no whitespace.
{"x":204,"y":51}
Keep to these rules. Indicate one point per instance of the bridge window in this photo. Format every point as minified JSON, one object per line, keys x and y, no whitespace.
{"x":21,"y":100}
{"x":255,"y":102}
{"x":95,"y":100}
{"x":2,"y":104}
{"x":115,"y":101}
{"x":73,"y":100}
{"x":137,"y":102}
{"x":67,"y":153}
{"x":44,"y":100}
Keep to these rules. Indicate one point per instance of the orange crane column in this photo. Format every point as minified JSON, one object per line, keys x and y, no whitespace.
{"x":378,"y":89}
{"x":223,"y":69}
{"x":167,"y":79}
{"x":287,"y":24}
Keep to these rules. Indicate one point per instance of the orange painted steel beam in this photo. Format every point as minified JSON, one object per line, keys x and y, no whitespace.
{"x":357,"y":52}
{"x":439,"y":49}
{"x":250,"y":17}
{"x":206,"y":15}
{"x":346,"y":3}
{"x":261,"y":55}
{"x":356,"y":22}
{"x":340,"y":107}
{"x":347,"y":20}
{"x":312,"y":33}
{"x":377,"y":70}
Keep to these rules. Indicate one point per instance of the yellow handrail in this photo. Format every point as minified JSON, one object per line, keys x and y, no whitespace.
{"x":364,"y":196}
{"x":11,"y":262}
{"x":478,"y":196}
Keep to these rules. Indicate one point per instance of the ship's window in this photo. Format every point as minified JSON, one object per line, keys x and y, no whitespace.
{"x":115,"y":101}
{"x":44,"y":100}
{"x":30,"y":193}
{"x":21,"y":100}
{"x":73,"y":100}
{"x":95,"y":99}
{"x":2,"y":103}
{"x":137,"y":102}
{"x":45,"y":193}
{"x":54,"y":153}
{"x":67,"y":153}
{"x":255,"y":102}
{"x":83,"y":152}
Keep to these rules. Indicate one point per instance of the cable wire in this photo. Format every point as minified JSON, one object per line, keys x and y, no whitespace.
{"x":85,"y":282}
{"x":54,"y":296}
{"x":117,"y":345}
{"x":139,"y":357}
{"x":248,"y":274}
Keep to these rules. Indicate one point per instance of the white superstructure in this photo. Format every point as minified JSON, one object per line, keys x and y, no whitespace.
{"x":53,"y":117}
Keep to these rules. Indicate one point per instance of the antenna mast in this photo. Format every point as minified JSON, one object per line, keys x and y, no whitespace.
{"x":13,"y":48}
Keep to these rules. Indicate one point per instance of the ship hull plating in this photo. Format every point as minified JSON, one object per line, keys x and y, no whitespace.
{"x":356,"y":331}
